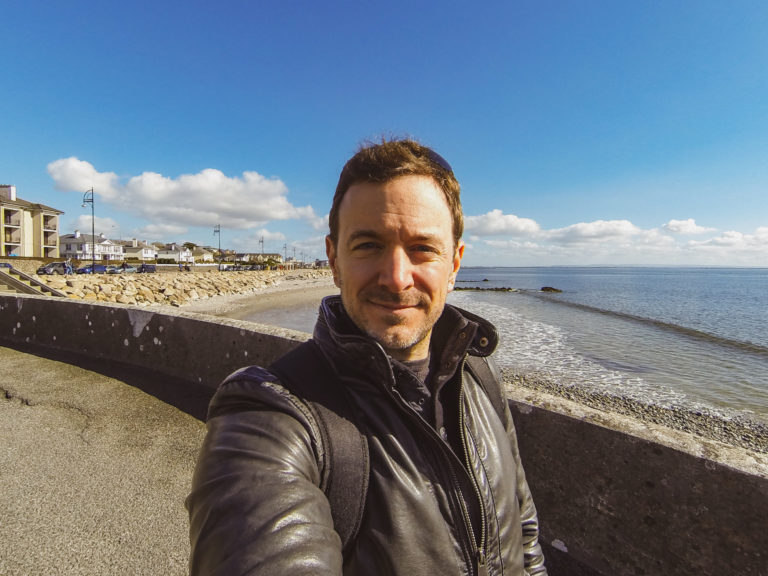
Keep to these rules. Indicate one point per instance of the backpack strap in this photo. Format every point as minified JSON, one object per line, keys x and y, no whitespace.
{"x":480,"y":368}
{"x":306,"y":373}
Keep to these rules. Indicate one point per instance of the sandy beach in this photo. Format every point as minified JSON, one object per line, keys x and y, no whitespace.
{"x":289,"y":294}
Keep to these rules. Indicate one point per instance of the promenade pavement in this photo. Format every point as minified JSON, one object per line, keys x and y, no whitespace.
{"x":95,"y":462}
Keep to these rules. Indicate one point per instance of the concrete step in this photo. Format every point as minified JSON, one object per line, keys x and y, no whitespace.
{"x":23,"y":283}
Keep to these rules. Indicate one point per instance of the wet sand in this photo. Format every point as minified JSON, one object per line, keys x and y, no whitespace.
{"x":291,"y":303}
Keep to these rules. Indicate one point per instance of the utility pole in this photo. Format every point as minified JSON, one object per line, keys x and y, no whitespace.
{"x":88,"y":199}
{"x":261,"y":241}
{"x":217,"y":230}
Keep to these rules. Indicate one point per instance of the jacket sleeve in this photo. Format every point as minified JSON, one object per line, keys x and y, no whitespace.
{"x":255,"y":506}
{"x":533,"y":555}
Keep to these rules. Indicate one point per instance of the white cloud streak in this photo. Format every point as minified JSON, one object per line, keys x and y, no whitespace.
{"x":496,"y":222}
{"x":505,"y":239}
{"x":688,"y":226}
{"x":172,"y":205}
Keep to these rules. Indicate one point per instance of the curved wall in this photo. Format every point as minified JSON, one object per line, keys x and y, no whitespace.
{"x":615,"y":496}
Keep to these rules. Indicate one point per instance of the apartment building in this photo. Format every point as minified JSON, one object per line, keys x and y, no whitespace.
{"x":26,"y":228}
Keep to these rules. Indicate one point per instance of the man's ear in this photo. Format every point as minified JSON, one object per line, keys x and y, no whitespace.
{"x":330,"y":251}
{"x":457,"y":256}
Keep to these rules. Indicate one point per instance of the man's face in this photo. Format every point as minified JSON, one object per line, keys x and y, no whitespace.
{"x":395,"y":261}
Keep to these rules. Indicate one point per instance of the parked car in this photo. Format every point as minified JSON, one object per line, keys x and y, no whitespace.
{"x":98,"y":269}
{"x":55,"y":268}
{"x":146,"y":268}
{"x":122,"y":269}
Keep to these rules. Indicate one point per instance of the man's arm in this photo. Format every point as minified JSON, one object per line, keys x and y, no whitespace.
{"x":255,"y":506}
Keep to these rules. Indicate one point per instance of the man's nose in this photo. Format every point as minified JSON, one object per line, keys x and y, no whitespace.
{"x":396,"y":272}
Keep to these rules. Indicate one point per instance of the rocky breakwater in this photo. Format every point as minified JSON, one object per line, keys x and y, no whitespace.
{"x":172,"y":288}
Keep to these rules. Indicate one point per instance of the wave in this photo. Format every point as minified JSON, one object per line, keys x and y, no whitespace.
{"x":743,"y":346}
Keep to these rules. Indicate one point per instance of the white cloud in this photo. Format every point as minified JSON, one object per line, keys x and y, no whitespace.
{"x":73,"y":174}
{"x":252,"y":242}
{"x":597,"y":231}
{"x":688,"y":226}
{"x":496,"y":222}
{"x":523,"y":242}
{"x":104,"y":226}
{"x":174,"y":204}
{"x":160,"y":232}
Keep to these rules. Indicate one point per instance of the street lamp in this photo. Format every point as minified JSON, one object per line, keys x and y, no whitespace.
{"x":88,"y":199}
{"x":217,"y":230}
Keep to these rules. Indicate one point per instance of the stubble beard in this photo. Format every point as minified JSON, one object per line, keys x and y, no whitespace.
{"x":401,"y":332}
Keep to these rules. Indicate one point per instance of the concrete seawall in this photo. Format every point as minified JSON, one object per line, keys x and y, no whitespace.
{"x":615,"y":496}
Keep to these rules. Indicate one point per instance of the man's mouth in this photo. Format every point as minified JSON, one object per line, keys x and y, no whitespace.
{"x":394,"y":306}
{"x":393,"y":302}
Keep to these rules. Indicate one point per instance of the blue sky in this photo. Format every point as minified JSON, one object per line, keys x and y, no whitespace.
{"x":591,"y":132}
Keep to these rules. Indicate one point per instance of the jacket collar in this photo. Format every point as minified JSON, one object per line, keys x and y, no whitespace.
{"x":456,"y":333}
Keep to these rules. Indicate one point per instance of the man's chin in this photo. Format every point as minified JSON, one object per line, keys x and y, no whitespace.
{"x":397,"y":339}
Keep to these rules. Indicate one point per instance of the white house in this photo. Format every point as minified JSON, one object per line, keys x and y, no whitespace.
{"x":260,"y":258}
{"x":176,"y":253}
{"x":85,"y":246}
{"x":202,"y":255}
{"x":137,"y":250}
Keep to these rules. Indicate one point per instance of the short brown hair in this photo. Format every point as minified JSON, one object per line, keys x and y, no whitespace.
{"x":389,"y":160}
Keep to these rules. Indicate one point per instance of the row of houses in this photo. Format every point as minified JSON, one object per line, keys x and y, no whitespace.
{"x":84,"y":246}
{"x":29,"y":229}
{"x":87,"y":247}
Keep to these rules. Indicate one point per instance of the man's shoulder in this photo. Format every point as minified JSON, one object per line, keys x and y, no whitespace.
{"x":253,"y":388}
{"x":292,"y":383}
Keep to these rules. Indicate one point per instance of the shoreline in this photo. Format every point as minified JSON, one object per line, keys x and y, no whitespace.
{"x":738,"y":430}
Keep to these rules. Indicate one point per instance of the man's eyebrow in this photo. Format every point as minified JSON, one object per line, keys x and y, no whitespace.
{"x":375,"y":235}
{"x":357,"y":234}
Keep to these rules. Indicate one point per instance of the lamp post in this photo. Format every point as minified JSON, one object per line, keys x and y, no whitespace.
{"x":217,"y":230}
{"x":88,"y":199}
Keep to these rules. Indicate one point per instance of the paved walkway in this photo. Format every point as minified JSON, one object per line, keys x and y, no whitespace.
{"x":95,"y":463}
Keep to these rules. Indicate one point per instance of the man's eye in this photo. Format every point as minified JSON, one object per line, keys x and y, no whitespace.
{"x":365,"y":246}
{"x":424,"y":248}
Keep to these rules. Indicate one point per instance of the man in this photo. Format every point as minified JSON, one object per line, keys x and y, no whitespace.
{"x":446,"y":490}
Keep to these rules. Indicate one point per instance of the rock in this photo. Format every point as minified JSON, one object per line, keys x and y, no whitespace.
{"x":170,"y":287}
{"x":550,"y":289}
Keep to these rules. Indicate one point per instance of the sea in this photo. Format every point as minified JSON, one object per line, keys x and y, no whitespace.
{"x":690,"y":337}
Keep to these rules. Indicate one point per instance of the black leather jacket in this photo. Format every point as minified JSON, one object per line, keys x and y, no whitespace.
{"x":255,"y":505}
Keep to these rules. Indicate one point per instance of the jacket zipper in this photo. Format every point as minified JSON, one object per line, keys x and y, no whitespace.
{"x":480,"y":558}
{"x":477,"y":552}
